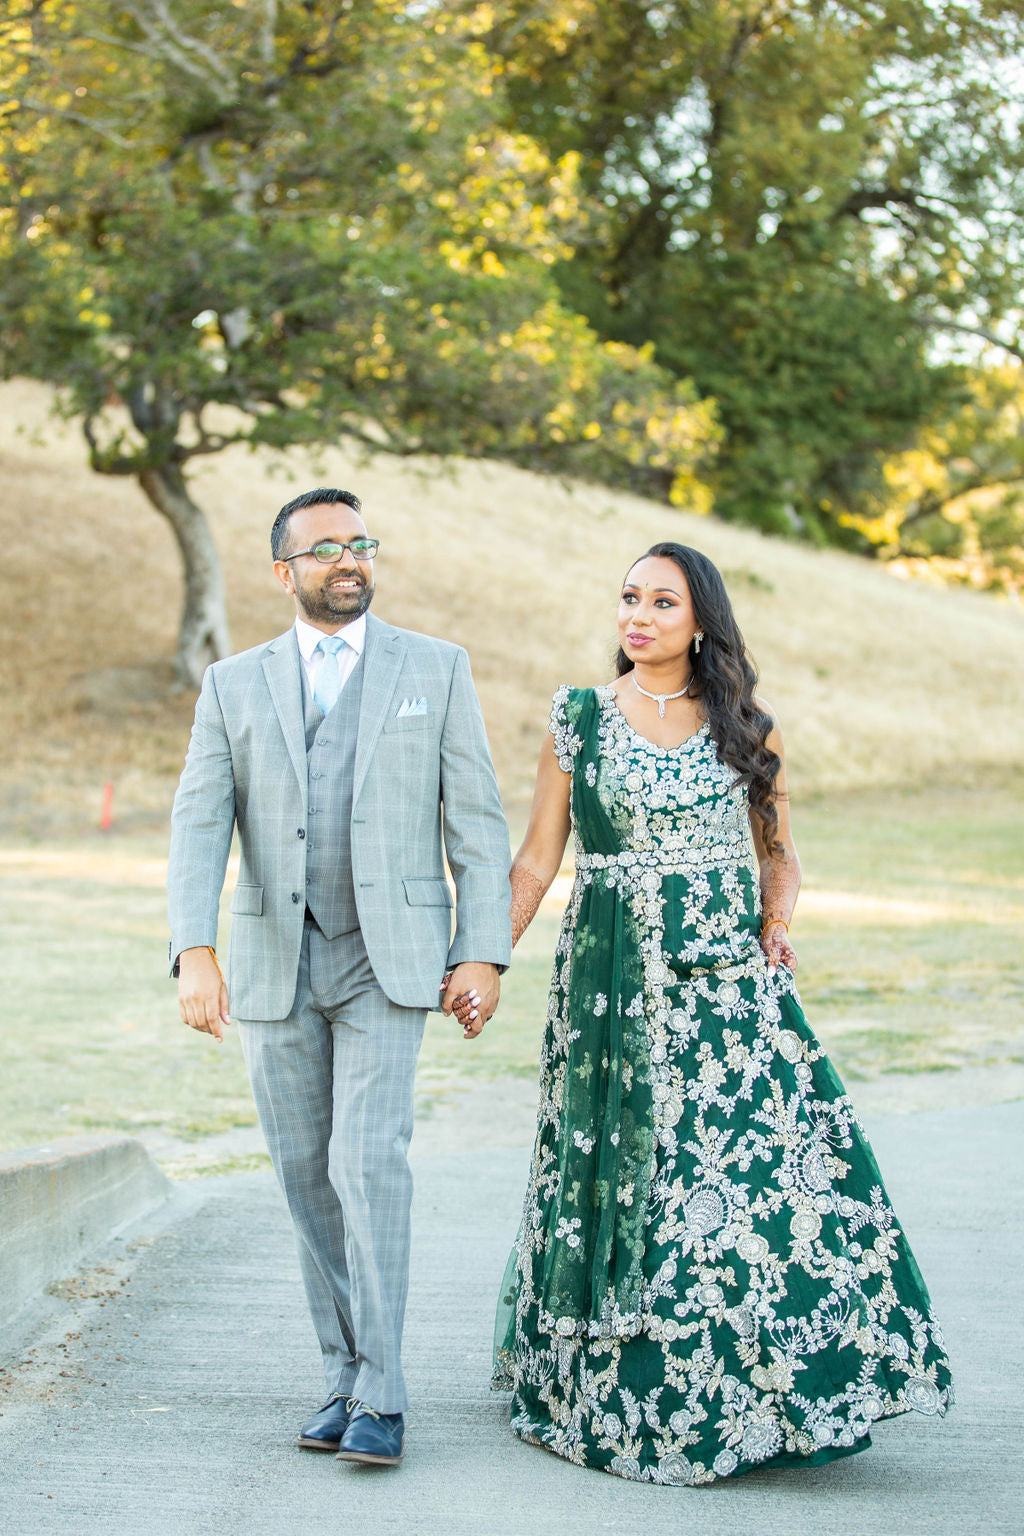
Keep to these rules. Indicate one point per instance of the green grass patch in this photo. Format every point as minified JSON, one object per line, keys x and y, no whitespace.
{"x":909,"y":928}
{"x":908,"y":934}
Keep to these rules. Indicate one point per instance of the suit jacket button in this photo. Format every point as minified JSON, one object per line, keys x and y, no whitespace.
{"x":302,"y":832}
{"x":296,"y":896}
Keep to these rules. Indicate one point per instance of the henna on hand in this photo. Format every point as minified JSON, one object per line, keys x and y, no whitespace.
{"x":466,"y":1011}
{"x":780,"y":882}
{"x":776,"y":946}
{"x":527,"y":894}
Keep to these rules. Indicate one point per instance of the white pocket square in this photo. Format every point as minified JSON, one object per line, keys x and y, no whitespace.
{"x":411,"y":707}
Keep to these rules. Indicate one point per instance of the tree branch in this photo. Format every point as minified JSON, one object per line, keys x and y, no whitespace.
{"x":44,"y":109}
{"x":755,"y":25}
{"x":864,"y":198}
{"x":933,"y":323}
{"x":206,"y":441}
{"x":209,"y":442}
{"x":175,"y":45}
{"x":298,"y":66}
{"x":933,"y":505}
{"x":108,"y":40}
{"x":387,"y":445}
{"x":268,"y":29}
{"x":103,"y":461}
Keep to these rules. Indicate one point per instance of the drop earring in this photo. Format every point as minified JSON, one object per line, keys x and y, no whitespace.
{"x":698,"y":637}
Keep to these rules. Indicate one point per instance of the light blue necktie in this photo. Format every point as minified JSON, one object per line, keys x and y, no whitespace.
{"x":329,"y":682}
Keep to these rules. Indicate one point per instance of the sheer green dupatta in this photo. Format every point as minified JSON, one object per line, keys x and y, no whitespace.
{"x":582,"y":1242}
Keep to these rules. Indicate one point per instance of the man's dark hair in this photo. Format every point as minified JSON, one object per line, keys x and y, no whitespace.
{"x":319,"y":498}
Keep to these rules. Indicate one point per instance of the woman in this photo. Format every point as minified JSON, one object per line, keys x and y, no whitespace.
{"x":708,"y":1277}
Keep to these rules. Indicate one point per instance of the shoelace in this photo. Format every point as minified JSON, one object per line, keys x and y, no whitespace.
{"x":352,"y":1403}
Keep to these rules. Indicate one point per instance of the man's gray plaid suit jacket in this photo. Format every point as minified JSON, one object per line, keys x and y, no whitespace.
{"x":424,"y":785}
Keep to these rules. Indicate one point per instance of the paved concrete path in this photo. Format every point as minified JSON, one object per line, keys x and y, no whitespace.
{"x":162,"y":1395}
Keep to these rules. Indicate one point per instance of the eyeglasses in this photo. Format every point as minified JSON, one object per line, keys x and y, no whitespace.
{"x":329,"y":553}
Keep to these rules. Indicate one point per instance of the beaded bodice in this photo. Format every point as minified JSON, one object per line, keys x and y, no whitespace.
{"x":676,"y":809}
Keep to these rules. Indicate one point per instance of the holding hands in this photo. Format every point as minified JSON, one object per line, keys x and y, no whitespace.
{"x":471,"y":992}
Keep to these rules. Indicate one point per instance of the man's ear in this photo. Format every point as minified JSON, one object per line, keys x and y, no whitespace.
{"x":283,"y":572}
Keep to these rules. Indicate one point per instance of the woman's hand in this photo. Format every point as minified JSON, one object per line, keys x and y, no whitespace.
{"x":779,"y":867}
{"x":777,"y":948}
{"x":466,"y":1009}
{"x":478,"y":1003}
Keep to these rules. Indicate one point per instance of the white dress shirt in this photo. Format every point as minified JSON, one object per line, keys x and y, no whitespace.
{"x":309,"y":637}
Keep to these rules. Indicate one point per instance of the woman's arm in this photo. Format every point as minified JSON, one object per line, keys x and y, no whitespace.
{"x":779,"y":869}
{"x":540,"y":857}
{"x":538,"y":860}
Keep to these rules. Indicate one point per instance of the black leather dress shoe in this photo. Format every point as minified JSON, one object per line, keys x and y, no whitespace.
{"x":378,"y":1439}
{"x":325,"y":1429}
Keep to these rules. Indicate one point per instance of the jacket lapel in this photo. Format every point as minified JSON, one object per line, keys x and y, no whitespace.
{"x":281,"y":665}
{"x":383,"y":656}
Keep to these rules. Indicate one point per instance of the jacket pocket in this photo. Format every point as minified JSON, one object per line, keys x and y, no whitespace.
{"x":248,"y":900}
{"x":429,"y":892}
{"x":399,"y":725}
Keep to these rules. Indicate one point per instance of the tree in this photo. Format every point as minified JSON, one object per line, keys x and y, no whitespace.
{"x":279,"y":221}
{"x":784,"y":192}
{"x":954,"y":503}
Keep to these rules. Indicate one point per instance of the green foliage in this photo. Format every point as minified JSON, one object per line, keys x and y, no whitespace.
{"x":788,"y":199}
{"x":550,"y":233}
{"x":814,"y":384}
{"x":304,"y":212}
{"x":954,"y":504}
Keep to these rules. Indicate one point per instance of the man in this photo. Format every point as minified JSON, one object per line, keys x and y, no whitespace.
{"x":345,"y":752}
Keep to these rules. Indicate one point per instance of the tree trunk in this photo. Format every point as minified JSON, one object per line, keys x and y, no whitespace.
{"x":203,"y":636}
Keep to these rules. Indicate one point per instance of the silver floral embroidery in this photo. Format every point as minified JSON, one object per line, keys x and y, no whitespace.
{"x":755,"y":1142}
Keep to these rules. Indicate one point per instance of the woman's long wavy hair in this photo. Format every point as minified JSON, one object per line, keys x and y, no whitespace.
{"x":724,"y":680}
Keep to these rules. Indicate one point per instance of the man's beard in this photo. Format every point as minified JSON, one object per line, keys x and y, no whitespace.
{"x":322,"y":606}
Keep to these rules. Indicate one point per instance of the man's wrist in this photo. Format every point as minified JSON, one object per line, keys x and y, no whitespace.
{"x":197,"y":954}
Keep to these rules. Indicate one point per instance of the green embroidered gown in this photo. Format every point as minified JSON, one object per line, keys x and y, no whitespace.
{"x":708,"y":1275}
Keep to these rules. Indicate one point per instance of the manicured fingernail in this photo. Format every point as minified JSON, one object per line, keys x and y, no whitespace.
{"x":473,"y":1015}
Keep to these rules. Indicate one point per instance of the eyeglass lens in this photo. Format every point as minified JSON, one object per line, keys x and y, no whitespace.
{"x":363,"y":549}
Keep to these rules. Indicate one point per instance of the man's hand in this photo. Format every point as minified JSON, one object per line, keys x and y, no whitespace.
{"x":477,"y":987}
{"x":202,"y":992}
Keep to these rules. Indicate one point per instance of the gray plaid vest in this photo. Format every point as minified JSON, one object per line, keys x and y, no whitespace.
{"x":330,"y":764}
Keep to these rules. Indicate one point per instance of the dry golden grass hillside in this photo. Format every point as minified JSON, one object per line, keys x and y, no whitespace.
{"x":874,"y":679}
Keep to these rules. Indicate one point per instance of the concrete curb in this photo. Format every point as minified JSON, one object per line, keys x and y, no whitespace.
{"x":63,"y":1201}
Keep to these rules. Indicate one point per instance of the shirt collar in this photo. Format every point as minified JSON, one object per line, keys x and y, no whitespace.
{"x":309,"y":637}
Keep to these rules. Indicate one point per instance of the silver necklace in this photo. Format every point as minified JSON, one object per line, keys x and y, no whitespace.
{"x":661,"y":699}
